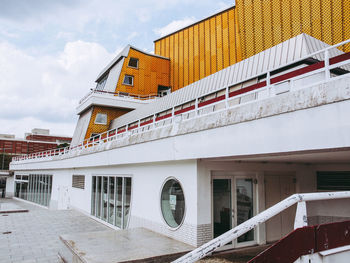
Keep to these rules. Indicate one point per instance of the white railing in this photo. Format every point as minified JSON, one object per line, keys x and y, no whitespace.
{"x":269,"y":87}
{"x":120,"y":94}
{"x":231,"y":235}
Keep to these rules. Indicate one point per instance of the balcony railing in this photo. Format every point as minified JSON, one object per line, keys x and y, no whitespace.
{"x":120,"y":94}
{"x":227,"y":98}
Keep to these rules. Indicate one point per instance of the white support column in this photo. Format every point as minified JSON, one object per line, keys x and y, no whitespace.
{"x":226,"y":97}
{"x":300,"y":215}
{"x":196,"y":107}
{"x":326,"y":65}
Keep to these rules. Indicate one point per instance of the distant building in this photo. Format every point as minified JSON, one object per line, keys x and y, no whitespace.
{"x":37,"y":140}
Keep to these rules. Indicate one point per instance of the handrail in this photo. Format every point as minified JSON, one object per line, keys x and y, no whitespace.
{"x":121,"y":94}
{"x":248,"y":225}
{"x":267,"y":85}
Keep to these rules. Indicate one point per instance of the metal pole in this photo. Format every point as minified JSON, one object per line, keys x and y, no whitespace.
{"x":3,"y":158}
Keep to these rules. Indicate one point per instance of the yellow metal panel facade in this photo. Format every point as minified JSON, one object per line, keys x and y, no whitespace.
{"x":144,"y":83}
{"x":247,"y":29}
{"x":265,"y":23}
{"x":112,"y":113}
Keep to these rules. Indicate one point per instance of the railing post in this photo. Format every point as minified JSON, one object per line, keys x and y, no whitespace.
{"x":154,"y":120}
{"x":196,"y":107}
{"x":326,"y":65}
{"x":172,"y":114}
{"x":300,"y":215}
{"x":268,"y":83}
{"x":226,"y":97}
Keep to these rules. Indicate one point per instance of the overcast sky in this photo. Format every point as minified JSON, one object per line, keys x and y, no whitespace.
{"x":51,"y":51}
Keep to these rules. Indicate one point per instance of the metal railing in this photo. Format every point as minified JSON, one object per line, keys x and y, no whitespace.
{"x":121,"y":95}
{"x":231,"y":235}
{"x":270,"y":86}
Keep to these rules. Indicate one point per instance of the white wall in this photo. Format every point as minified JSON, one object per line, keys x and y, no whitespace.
{"x":10,"y":186}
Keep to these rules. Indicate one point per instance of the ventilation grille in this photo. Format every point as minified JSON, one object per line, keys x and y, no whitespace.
{"x":333,"y":181}
{"x":78,"y":181}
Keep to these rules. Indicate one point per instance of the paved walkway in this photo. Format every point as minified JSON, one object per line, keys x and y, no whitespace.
{"x":34,"y":235}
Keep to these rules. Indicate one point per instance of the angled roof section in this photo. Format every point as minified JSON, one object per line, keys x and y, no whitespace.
{"x":123,"y":54}
{"x":284,"y":53}
{"x":197,"y":22}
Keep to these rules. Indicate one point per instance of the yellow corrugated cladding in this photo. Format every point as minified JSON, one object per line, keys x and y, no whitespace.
{"x":201,"y":49}
{"x":152,"y":71}
{"x":112,"y":113}
{"x":265,"y":23}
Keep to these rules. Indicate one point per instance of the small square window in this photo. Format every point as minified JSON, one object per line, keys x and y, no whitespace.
{"x":128,"y":80}
{"x":133,"y":63}
{"x":101,"y":118}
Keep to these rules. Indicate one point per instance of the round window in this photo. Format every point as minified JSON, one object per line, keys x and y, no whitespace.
{"x":173,"y":203}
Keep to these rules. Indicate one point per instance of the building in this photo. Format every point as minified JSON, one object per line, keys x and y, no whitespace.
{"x":37,"y":140}
{"x":232,"y":115}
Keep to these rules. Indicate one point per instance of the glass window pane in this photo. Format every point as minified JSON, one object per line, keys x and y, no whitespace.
{"x":18,"y":188}
{"x":119,"y":186}
{"x":98,"y":199}
{"x":111,"y":200}
{"x":93,"y":196}
{"x":105,"y":198}
{"x":173,"y":203}
{"x":244,"y":190}
{"x":127,"y":197}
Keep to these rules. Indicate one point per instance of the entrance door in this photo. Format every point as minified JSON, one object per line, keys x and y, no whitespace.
{"x":231,"y":208}
{"x":277,"y":188}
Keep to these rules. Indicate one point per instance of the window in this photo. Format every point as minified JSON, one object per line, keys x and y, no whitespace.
{"x":110,"y":199}
{"x":35,"y":188}
{"x":101,"y":118}
{"x":133,"y":63}
{"x":101,"y":84}
{"x":78,"y":181}
{"x":128,"y":80}
{"x":333,"y":181}
{"x":173,"y":203}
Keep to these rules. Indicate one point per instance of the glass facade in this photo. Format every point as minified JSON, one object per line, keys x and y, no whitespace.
{"x":110,"y":199}
{"x":35,"y":188}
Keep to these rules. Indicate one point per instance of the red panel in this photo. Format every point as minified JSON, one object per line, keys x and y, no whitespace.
{"x":298,"y":72}
{"x":132,"y":127}
{"x":121,"y":131}
{"x":247,"y":89}
{"x":332,"y":235}
{"x":299,"y":242}
{"x":163,"y":117}
{"x":185,"y":110}
{"x":146,"y":122}
{"x":339,"y":58}
{"x":222,"y":97}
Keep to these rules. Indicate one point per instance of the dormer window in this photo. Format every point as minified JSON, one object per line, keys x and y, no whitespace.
{"x":128,"y":80}
{"x":101,"y":118}
{"x":133,"y":63}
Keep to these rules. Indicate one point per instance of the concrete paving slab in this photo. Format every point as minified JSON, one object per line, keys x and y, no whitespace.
{"x":130,"y":245}
{"x":9,"y":207}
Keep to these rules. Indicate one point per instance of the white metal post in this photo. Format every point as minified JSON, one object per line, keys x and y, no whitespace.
{"x":326,"y":64}
{"x":196,"y":107}
{"x":226,"y":97}
{"x":300,"y":215}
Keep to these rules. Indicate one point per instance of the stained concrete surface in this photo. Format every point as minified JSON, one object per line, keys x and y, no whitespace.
{"x":34,"y":236}
{"x":135,"y":245}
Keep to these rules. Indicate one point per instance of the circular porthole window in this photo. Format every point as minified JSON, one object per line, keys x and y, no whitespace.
{"x":173,"y":203}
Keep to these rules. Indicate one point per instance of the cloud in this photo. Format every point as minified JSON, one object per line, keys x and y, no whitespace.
{"x":45,"y":90}
{"x":174,"y":26}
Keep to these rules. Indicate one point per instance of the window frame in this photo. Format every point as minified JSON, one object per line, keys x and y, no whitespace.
{"x":137,"y":66}
{"x":102,"y":123}
{"x":132,"y":80}
{"x":160,"y":203}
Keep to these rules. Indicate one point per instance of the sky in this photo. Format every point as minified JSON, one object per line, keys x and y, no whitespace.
{"x":51,"y":51}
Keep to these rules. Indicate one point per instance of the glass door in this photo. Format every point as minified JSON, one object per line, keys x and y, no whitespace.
{"x":233,"y":198}
{"x":244,"y":207}
{"x":222,"y":205}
